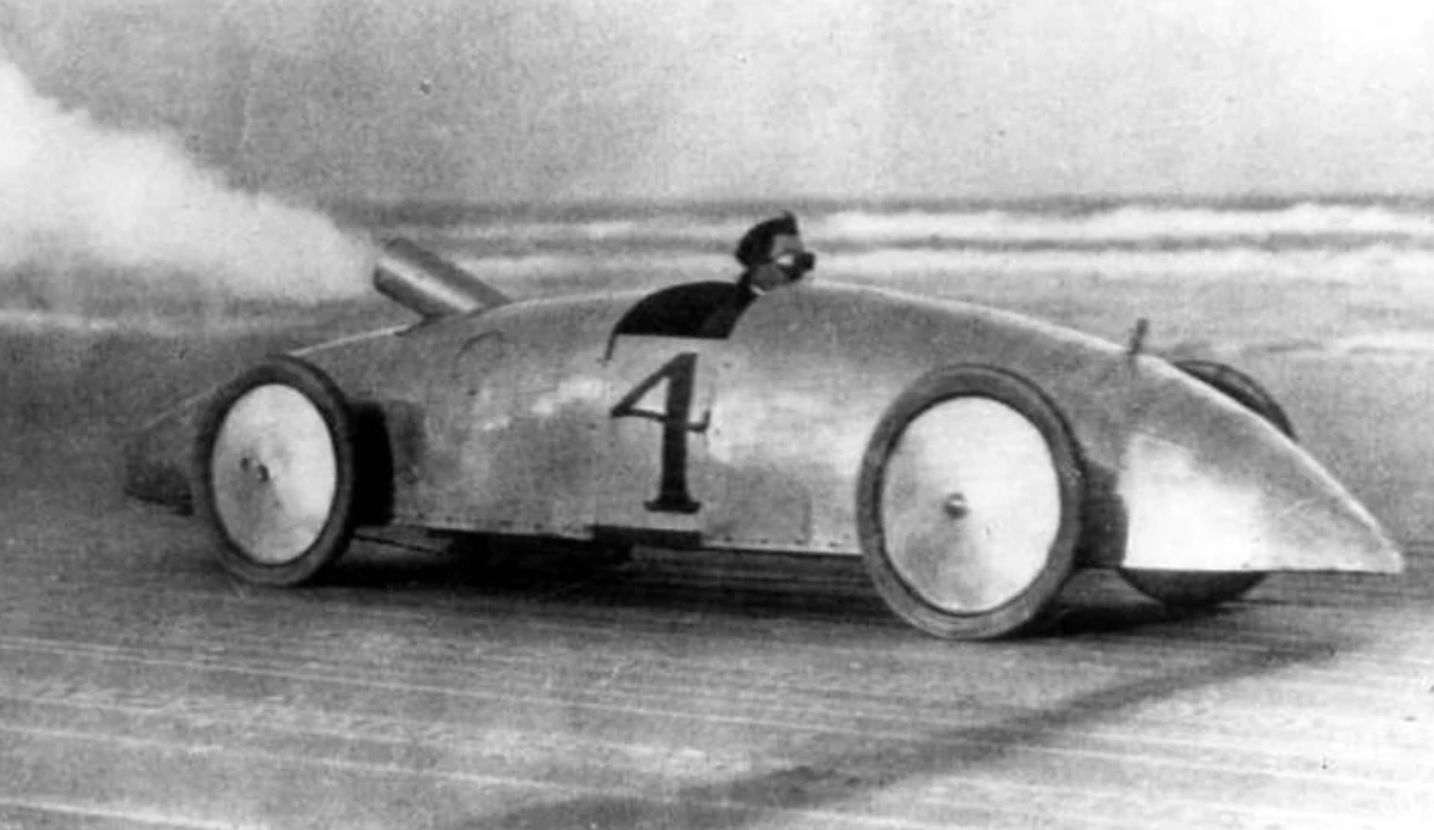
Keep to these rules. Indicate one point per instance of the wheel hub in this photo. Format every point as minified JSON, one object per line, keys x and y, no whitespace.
{"x":970,"y":505}
{"x":274,"y":472}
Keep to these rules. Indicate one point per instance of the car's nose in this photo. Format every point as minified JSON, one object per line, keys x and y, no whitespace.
{"x":1208,"y":485}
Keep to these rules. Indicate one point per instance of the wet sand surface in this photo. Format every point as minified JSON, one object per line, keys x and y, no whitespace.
{"x":141,"y":688}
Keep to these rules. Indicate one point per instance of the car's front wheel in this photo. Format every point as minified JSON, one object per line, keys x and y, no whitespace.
{"x":969,"y":504}
{"x":276,"y":464}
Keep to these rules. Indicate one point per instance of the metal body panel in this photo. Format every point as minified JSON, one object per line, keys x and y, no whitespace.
{"x":810,"y":371}
{"x":495,"y":420}
{"x":1207,"y":487}
{"x":654,"y":445}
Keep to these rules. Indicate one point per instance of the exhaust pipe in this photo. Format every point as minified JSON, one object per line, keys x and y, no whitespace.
{"x":428,"y":284}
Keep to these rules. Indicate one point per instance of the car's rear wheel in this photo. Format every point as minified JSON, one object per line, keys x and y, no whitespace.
{"x":969,"y":504}
{"x":1198,"y":589}
{"x":276,"y":464}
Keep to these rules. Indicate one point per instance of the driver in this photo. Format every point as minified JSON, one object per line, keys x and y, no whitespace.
{"x":772,"y":256}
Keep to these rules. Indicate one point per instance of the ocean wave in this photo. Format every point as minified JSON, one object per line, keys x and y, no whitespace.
{"x":35,"y":321}
{"x":1306,"y":224}
{"x":1394,"y":343}
{"x":683,"y":229}
{"x":26,"y":320}
{"x":1129,"y":224}
{"x":1384,"y":342}
{"x":29,"y":321}
{"x":1372,"y":265}
{"x":681,"y":267}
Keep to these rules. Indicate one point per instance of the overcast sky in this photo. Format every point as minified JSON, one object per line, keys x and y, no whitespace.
{"x":582,"y":99}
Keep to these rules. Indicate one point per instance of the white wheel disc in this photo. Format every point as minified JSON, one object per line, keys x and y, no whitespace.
{"x":970,"y":504}
{"x":274,"y":472}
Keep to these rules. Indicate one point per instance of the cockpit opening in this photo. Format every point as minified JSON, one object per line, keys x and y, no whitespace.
{"x":706,"y":310}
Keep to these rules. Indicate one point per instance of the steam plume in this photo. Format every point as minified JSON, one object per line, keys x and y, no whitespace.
{"x":77,"y":197}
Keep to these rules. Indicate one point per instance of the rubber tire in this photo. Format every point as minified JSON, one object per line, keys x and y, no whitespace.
{"x":1202,"y":589}
{"x":1031,"y":606}
{"x":1242,"y":389}
{"x":337,"y":532}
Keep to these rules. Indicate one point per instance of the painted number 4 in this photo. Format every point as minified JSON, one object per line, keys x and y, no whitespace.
{"x":675,"y":417}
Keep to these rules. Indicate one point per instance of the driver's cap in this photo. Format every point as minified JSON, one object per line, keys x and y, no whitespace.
{"x":756,"y":245}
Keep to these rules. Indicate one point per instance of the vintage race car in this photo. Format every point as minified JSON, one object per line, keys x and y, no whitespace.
{"x":973,"y":457}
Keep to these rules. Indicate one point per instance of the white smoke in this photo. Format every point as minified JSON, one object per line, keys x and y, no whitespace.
{"x":78,"y":197}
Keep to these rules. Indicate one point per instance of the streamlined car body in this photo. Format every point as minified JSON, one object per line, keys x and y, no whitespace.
{"x":973,"y":457}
